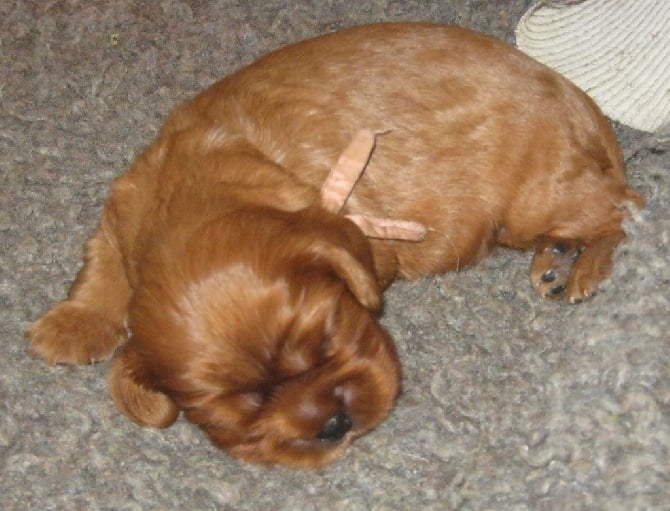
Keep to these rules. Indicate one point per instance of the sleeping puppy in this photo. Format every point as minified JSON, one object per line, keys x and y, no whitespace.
{"x":251,"y":307}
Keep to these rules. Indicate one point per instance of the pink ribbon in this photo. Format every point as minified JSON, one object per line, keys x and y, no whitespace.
{"x":340,"y":182}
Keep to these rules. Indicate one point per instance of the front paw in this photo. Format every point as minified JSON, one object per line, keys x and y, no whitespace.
{"x":72,"y":333}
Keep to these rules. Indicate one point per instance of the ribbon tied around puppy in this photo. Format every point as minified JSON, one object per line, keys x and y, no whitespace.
{"x":341,"y":181}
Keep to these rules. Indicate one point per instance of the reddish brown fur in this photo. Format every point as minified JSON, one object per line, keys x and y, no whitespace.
{"x":251,"y":308}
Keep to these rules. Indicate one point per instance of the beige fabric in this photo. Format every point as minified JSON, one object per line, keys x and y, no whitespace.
{"x":618,"y":51}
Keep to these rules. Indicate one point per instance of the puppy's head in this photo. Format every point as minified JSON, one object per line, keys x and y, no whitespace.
{"x":263,"y":332}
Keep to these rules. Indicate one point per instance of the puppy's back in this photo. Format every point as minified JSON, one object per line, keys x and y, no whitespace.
{"x":471,"y":129}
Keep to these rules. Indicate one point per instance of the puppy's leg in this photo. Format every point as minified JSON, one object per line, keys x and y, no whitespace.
{"x":136,"y":401}
{"x":592,"y":266}
{"x":90,"y":323}
{"x":568,"y":268}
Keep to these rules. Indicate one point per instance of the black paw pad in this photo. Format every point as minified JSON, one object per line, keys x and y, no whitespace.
{"x":557,"y":290}
{"x":558,"y":248}
{"x":548,"y":276}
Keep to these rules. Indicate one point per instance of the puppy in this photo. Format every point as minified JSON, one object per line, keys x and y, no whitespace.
{"x":253,"y":309}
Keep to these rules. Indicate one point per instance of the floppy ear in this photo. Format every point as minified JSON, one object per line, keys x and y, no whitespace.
{"x":136,"y":401}
{"x":360,"y":280}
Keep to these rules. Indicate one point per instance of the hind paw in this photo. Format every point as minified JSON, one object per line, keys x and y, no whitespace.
{"x":570,"y":269}
{"x":551,"y":270}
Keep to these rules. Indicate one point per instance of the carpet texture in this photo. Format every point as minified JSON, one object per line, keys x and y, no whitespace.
{"x":509,"y":402}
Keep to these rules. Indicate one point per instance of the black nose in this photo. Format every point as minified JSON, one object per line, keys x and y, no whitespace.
{"x":335,"y":427}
